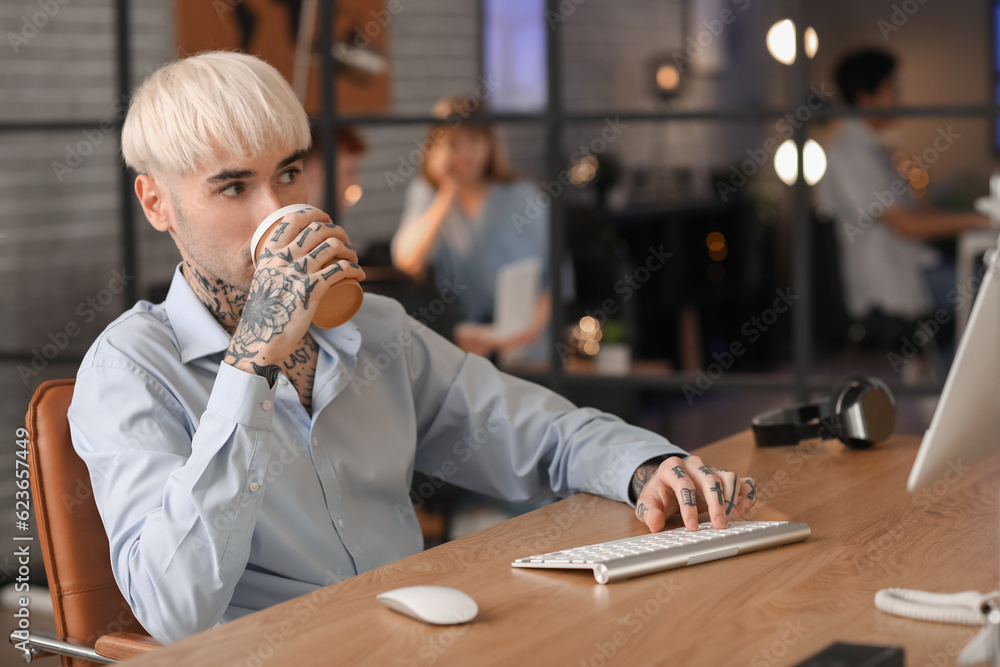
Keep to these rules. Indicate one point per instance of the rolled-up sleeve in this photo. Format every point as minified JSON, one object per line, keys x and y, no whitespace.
{"x":492,"y":432}
{"x":179,"y":501}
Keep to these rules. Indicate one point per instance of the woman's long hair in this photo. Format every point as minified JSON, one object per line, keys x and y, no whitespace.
{"x":454,"y":110}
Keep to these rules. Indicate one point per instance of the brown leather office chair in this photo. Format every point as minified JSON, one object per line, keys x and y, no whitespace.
{"x":94,"y":623}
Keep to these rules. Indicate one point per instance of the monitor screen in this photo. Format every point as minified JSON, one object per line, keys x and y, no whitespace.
{"x":965,"y":428}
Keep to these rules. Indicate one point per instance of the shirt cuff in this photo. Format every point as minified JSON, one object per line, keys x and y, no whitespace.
{"x":242,"y":397}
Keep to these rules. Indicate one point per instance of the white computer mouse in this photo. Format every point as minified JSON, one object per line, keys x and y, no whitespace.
{"x":439,"y":605}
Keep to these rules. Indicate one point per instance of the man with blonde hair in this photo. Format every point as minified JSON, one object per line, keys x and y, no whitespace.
{"x":241,"y":456}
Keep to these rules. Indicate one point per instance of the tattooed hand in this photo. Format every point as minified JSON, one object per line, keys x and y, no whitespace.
{"x":664,"y":487}
{"x":304,"y":255}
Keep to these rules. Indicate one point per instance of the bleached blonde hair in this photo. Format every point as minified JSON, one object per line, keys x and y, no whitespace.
{"x":210,"y":104}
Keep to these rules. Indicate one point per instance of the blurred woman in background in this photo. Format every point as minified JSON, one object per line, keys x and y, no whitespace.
{"x":465,"y":216}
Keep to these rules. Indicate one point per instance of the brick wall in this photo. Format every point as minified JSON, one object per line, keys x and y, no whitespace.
{"x":60,"y":214}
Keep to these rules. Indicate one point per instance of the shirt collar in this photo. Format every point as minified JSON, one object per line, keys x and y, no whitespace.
{"x":200,"y":335}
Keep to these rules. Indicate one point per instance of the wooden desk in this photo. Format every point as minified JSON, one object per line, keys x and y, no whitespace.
{"x":768,"y":608}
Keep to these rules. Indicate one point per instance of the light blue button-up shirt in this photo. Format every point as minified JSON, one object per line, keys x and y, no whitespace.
{"x":221,"y":495}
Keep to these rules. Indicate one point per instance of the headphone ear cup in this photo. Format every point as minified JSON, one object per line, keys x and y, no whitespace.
{"x":872,"y":392}
{"x":842,"y":396}
{"x":847,"y":391}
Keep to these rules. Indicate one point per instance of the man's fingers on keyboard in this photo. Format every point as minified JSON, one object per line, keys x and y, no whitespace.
{"x":711,"y":486}
{"x":678,"y":490}
{"x":657,"y":500}
{"x":684,"y":496}
{"x":748,"y":497}
{"x":730,"y":489}
{"x":651,"y":514}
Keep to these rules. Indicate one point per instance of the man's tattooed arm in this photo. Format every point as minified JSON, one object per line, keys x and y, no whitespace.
{"x":300,"y":367}
{"x":274,"y":297}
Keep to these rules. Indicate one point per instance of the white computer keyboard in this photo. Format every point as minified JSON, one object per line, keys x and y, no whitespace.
{"x":678,"y":547}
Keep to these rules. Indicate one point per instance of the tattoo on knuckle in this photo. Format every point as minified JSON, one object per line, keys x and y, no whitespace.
{"x":717,"y":490}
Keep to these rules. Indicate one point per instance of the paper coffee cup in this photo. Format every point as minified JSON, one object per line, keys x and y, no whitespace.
{"x":340,"y":302}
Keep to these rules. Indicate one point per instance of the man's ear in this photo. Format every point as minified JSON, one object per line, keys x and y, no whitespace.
{"x":154,"y":196}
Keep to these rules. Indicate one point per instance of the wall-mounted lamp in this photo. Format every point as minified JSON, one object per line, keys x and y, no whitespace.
{"x":786,"y":162}
{"x":666,"y":77}
{"x":781,"y":41}
{"x":352,"y":194}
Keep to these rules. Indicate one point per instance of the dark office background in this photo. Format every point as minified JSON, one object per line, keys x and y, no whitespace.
{"x":65,"y":236}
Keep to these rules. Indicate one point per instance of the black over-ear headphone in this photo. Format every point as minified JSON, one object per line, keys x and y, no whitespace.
{"x":859,"y":412}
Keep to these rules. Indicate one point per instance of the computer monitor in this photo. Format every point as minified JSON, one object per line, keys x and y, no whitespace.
{"x":965,"y":428}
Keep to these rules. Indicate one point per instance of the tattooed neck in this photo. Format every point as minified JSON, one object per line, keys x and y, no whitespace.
{"x":223,"y":300}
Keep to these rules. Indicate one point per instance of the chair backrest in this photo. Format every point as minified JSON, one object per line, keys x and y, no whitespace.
{"x":85,"y":597}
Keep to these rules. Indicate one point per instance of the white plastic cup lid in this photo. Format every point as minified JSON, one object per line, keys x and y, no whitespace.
{"x":269,"y":220}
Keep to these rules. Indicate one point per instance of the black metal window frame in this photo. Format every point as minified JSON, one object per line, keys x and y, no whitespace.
{"x":554,"y":119}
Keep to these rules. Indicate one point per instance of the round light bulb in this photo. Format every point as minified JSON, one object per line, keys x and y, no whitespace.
{"x":786,"y":162}
{"x":781,"y":41}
